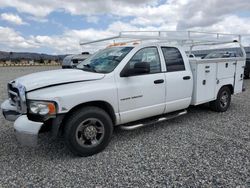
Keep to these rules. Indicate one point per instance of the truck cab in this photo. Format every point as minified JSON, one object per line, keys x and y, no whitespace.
{"x":145,"y":87}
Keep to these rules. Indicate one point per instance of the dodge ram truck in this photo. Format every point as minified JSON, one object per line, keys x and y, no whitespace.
{"x":128,"y":86}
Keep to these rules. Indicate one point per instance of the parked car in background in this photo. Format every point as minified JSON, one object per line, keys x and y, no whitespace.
{"x":220,"y":54}
{"x":71,"y":61}
{"x":226,"y":54}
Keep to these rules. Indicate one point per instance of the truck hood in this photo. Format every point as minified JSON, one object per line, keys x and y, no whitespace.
{"x":56,"y":77}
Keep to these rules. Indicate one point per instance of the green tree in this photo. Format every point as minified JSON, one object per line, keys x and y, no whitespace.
{"x":10,"y":55}
{"x":41,"y":61}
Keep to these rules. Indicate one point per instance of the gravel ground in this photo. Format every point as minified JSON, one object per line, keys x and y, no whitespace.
{"x":200,"y":149}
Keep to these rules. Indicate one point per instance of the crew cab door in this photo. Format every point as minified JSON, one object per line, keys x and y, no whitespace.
{"x":142,"y":95}
{"x":179,"y":79}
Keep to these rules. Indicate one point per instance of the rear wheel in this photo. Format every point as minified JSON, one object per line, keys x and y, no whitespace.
{"x":88,"y":131}
{"x":222,"y":103}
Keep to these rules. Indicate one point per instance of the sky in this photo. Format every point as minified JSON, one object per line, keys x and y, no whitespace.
{"x":57,"y":26}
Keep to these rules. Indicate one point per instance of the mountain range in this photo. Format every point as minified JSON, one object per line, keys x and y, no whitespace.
{"x":4,"y":56}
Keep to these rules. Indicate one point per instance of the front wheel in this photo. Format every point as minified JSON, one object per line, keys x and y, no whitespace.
{"x":88,"y":131}
{"x":222,"y":103}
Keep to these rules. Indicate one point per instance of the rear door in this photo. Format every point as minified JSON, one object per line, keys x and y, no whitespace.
{"x":179,"y":80}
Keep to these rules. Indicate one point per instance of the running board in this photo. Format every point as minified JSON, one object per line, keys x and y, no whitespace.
{"x":151,"y":121}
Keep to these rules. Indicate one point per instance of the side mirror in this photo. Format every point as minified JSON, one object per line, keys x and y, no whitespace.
{"x":139,"y":68}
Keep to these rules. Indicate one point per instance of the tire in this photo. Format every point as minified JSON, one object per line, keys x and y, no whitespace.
{"x":88,"y":131}
{"x":222,"y":103}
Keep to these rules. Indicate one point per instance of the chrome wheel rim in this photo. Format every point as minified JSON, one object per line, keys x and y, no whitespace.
{"x":224,"y":99}
{"x":90,"y":132}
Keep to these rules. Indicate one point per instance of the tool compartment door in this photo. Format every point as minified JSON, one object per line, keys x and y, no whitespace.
{"x":239,"y":74}
{"x":204,"y":83}
{"x":225,"y":69}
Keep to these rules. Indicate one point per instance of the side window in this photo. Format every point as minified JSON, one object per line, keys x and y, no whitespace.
{"x":149,"y":55}
{"x":173,"y":59}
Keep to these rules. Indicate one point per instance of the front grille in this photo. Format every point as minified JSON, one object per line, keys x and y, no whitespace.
{"x":14,"y":96}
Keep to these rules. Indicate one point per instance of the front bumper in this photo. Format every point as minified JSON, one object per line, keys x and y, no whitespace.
{"x":10,"y":112}
{"x":26,"y":131}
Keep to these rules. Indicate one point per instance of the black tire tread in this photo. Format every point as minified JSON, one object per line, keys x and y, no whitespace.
{"x":77,"y":115}
{"x":215,"y":105}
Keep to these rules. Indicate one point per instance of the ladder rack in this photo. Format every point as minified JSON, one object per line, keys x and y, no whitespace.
{"x":182,"y":38}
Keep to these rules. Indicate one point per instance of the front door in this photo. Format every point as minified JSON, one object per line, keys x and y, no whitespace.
{"x":143,"y":95}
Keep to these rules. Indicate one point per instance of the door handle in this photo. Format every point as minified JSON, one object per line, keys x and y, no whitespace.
{"x":186,"y":78}
{"x":159,"y":81}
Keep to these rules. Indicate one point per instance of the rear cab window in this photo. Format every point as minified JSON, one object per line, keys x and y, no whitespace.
{"x":173,"y":59}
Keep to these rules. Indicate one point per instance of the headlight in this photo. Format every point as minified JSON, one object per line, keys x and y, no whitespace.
{"x":42,"y":108}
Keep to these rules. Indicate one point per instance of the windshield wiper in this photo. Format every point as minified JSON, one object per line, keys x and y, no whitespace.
{"x":89,"y":67}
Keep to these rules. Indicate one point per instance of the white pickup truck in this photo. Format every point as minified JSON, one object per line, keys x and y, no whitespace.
{"x":128,"y":86}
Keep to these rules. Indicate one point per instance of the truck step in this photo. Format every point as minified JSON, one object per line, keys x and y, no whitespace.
{"x":150,"y":121}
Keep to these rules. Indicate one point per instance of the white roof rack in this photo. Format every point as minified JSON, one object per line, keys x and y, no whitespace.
{"x":181,"y":37}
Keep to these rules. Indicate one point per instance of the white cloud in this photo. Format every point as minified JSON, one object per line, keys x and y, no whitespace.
{"x":13,"y":39}
{"x":230,"y":24}
{"x":197,"y":13}
{"x":78,"y":7}
{"x":37,"y":19}
{"x":68,"y":41}
{"x":185,"y":13}
{"x":12,"y":18}
{"x":39,"y":9}
{"x":206,"y":15}
{"x":92,"y":19}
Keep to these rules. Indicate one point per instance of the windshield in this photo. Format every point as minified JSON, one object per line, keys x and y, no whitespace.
{"x":105,"y":61}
